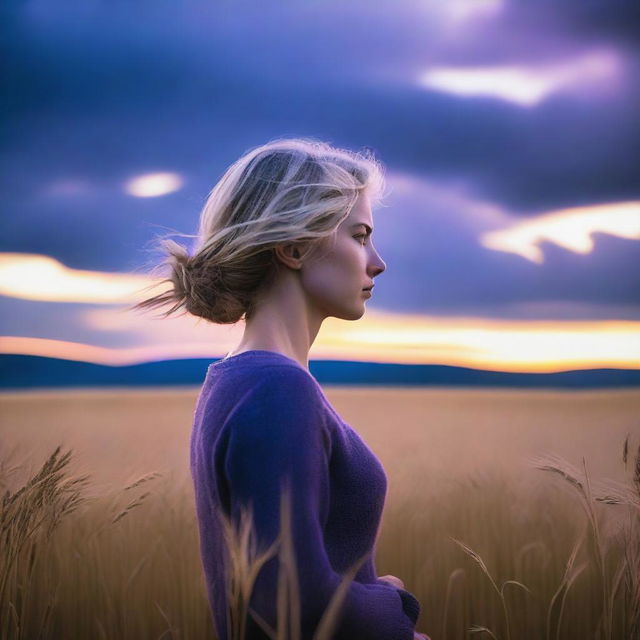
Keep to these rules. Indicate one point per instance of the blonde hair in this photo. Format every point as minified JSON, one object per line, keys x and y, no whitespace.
{"x":286,"y":191}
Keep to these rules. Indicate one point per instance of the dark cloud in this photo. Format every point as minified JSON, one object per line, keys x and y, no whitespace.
{"x":172,"y":88}
{"x":594,"y":20}
{"x":96,"y":94}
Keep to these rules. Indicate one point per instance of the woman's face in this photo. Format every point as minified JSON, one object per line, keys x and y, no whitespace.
{"x":334,"y":281}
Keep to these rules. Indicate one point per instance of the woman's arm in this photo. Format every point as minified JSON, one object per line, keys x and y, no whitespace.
{"x":278,"y":433}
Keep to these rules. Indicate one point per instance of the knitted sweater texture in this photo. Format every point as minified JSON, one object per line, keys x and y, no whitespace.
{"x":261,"y":420}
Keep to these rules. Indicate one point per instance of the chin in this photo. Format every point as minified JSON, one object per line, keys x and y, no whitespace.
{"x":354,"y":314}
{"x":342,"y":312}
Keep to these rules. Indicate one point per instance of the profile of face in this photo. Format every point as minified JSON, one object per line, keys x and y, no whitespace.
{"x":334,"y":276}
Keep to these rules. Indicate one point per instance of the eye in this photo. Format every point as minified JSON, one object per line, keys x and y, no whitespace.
{"x":362,"y":235}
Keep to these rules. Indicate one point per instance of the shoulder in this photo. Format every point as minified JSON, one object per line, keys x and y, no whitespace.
{"x":279,"y":408}
{"x":282,"y":381}
{"x":277,"y":394}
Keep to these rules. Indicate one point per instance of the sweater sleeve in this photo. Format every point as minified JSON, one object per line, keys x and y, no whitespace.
{"x":278,"y":431}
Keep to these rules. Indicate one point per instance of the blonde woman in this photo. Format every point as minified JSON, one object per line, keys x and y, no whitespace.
{"x":285,"y":241}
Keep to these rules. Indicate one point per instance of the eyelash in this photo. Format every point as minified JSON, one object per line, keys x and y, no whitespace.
{"x":362,"y":235}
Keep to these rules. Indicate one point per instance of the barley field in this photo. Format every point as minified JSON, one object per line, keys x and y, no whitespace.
{"x":510,"y":514}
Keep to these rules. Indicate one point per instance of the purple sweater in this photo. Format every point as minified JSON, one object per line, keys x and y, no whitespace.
{"x":261,"y":416}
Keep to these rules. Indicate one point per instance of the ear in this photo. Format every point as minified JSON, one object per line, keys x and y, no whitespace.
{"x":292,"y":255}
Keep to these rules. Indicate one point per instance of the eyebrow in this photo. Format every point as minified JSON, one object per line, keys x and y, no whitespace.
{"x":362,"y":224}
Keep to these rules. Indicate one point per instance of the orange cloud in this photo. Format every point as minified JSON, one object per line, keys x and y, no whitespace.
{"x":38,"y":277}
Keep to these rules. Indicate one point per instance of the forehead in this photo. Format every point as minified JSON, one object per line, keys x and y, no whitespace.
{"x":360,"y":212}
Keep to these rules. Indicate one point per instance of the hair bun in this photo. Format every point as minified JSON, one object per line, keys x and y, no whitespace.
{"x":183,"y":277}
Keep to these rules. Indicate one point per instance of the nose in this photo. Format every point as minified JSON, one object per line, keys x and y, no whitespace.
{"x":376,"y":266}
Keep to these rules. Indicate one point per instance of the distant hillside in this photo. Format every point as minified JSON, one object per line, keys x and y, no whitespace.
{"x":26,"y":372}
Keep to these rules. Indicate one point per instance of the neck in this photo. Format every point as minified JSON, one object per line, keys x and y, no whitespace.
{"x":282,"y":322}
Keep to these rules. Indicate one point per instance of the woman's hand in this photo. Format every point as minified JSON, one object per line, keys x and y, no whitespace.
{"x":392,"y":580}
{"x":396,"y":582}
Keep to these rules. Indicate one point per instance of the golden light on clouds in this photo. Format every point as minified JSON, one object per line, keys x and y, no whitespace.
{"x":523,"y":85}
{"x":39,"y":277}
{"x":571,"y":229}
{"x":151,"y":185}
{"x":492,"y":344}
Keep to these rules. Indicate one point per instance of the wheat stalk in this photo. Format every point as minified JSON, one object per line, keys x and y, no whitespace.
{"x":142,"y":480}
{"x":613,"y":494}
{"x":454,"y":576}
{"x":28,"y":516}
{"x":500,"y":591}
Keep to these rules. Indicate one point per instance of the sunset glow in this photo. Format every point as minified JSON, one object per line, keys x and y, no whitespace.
{"x":499,"y":345}
{"x":504,"y":345}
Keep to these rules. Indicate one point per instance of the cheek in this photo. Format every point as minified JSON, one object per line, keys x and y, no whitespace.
{"x":336,"y":272}
{"x":323,"y":278}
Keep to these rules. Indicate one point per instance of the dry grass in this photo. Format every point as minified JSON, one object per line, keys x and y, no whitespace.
{"x":133,"y":591}
{"x":618,"y":598}
{"x":494,"y":550}
{"x":28,"y":518}
{"x":30,"y":515}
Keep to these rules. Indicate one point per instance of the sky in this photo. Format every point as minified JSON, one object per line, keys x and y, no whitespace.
{"x":508,"y":130}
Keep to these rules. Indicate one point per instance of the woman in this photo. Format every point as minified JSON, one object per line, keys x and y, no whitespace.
{"x":285,"y":242}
